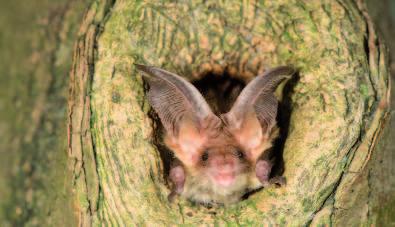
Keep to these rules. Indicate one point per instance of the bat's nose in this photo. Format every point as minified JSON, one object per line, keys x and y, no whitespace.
{"x":224,"y":162}
{"x":223,"y":167}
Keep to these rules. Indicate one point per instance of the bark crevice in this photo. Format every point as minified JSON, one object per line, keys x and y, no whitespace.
{"x":80,"y":143}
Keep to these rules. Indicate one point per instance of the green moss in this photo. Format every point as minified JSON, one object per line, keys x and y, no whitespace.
{"x":364,"y":90}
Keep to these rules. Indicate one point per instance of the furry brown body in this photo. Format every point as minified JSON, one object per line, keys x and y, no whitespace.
{"x":224,"y":156}
{"x":200,"y":182}
{"x":220,"y":154}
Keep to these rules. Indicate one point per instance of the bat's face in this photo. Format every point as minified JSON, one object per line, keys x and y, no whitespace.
{"x":219,"y":153}
{"x":222,"y":165}
{"x":221,"y":160}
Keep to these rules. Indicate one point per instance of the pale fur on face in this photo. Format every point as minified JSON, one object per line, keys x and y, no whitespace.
{"x":199,"y":186}
{"x":201,"y":189}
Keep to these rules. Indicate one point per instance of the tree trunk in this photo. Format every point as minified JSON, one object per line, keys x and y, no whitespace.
{"x":337,"y":153}
{"x":36,"y":42}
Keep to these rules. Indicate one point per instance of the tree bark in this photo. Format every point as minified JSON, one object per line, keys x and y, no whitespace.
{"x":340,"y":107}
{"x":36,"y":42}
{"x":338,"y":153}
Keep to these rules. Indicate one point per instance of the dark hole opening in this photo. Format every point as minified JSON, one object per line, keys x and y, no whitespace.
{"x":220,"y":91}
{"x":283,"y":120}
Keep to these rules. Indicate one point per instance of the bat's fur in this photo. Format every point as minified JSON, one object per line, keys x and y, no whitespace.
{"x":198,"y":184}
{"x":220,"y":154}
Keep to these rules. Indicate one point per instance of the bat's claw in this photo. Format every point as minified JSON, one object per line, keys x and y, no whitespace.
{"x":172,"y":196}
{"x":262,"y":171}
{"x":177,"y":178}
{"x":278,"y":181}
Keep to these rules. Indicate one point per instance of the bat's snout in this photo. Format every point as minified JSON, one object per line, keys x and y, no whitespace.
{"x":224,"y":169}
{"x":225,"y":179}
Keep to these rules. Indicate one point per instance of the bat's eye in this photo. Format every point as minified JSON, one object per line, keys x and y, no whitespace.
{"x":204,"y":156}
{"x":240,"y":154}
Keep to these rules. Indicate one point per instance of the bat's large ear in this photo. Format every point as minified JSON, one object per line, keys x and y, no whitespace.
{"x":182,"y":110}
{"x":253,"y":115}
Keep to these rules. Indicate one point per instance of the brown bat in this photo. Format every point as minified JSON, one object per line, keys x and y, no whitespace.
{"x":220,"y":157}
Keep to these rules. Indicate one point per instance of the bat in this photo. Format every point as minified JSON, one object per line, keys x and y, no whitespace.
{"x":219,"y":157}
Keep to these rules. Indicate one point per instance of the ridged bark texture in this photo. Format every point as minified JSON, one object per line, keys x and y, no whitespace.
{"x":340,"y":106}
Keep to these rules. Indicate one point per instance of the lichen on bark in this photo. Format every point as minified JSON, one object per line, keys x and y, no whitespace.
{"x":338,"y":105}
